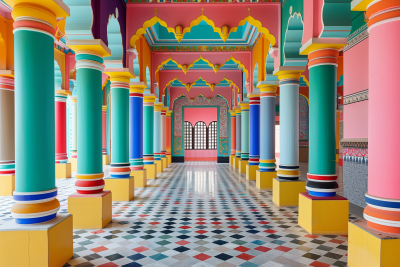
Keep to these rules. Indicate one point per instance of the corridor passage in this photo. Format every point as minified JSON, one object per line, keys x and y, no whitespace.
{"x":199,"y":214}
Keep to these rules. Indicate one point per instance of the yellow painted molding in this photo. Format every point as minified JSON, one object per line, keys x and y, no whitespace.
{"x":289,"y":72}
{"x":120,"y":74}
{"x":95,"y":46}
{"x":57,"y":7}
{"x":360,"y":5}
{"x":7,"y":73}
{"x":63,"y":92}
{"x":322,"y":43}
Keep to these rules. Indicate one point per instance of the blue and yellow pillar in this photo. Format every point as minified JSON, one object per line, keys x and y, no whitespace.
{"x":267,"y":165}
{"x":245,"y":135}
{"x":120,"y":181}
{"x":91,"y":205}
{"x":37,"y":229}
{"x":157,"y":137}
{"x":136,"y":133}
{"x":238,"y":136}
{"x":254,"y":156}
{"x":287,"y":187}
{"x":148,"y":135}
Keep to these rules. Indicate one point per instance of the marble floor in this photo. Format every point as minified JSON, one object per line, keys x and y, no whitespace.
{"x":199,"y":214}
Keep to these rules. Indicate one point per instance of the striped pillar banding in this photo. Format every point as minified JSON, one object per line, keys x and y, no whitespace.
{"x":104,"y":151}
{"x":286,"y":172}
{"x":136,"y":164}
{"x":35,"y":207}
{"x":6,"y":83}
{"x":148,"y":159}
{"x":89,"y":60}
{"x":61,"y":158}
{"x":74,"y":154}
{"x":27,"y":23}
{"x":120,"y":170}
{"x":7,"y":167}
{"x":326,"y":56}
{"x":267,"y":165}
{"x":321,"y":185}
{"x":382,"y":12}
{"x":238,"y":153}
{"x":382,"y":214}
{"x":254,"y":159}
{"x":89,"y":183}
{"x":244,"y":156}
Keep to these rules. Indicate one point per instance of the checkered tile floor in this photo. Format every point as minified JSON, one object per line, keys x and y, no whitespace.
{"x":199,"y":214}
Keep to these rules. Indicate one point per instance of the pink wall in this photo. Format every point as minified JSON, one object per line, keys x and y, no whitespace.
{"x":200,"y":155}
{"x":194,"y":115}
{"x":355,"y":79}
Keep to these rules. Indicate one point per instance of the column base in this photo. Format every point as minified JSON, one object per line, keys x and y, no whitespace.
{"x":151,"y":171}
{"x":251,"y":171}
{"x":140,"y":177}
{"x":74,"y":164}
{"x":264,"y":179}
{"x":286,"y":192}
{"x":159,"y":165}
{"x":123,"y":188}
{"x":169,"y":160}
{"x":106,"y":160}
{"x":45,"y":244}
{"x":7,"y":185}
{"x":242,"y":166}
{"x":237,"y":162}
{"x":90,"y":211}
{"x":368,"y":247}
{"x":164,"y":162}
{"x":232,"y":160}
{"x":323,"y":215}
{"x":63,"y":170}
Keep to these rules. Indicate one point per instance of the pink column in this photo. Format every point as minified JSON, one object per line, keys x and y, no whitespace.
{"x":383,"y":197}
{"x":61,"y":125}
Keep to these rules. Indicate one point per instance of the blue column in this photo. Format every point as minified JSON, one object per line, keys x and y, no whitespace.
{"x":254,"y":156}
{"x":136,"y":127}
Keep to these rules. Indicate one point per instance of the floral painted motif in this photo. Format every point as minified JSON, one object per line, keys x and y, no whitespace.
{"x":355,"y":154}
{"x":178,"y":146}
{"x":303,"y":111}
{"x":223,"y":146}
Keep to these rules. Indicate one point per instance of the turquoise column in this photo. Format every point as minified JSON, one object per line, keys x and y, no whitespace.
{"x":245,"y":130}
{"x":148,"y":128}
{"x":157,"y":131}
{"x":238,"y":131}
{"x":34,"y":124}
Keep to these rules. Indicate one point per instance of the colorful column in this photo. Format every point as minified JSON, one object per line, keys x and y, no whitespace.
{"x":267,"y":165}
{"x":233,"y":137}
{"x":238,"y":135}
{"x":105,"y":157}
{"x":63,"y":168}
{"x":136,"y":133}
{"x":168,"y":137}
{"x":148,"y":135}
{"x":245,"y":135}
{"x":7,"y":149}
{"x":74,"y":129}
{"x":254,"y":156}
{"x":321,"y":177}
{"x":90,"y":206}
{"x":286,"y":189}
{"x":120,"y":182}
{"x":164,"y":137}
{"x":381,"y":226}
{"x":36,"y":222}
{"x":157,"y":137}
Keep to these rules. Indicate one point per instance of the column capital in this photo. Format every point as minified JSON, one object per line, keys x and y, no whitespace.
{"x":7,"y":73}
{"x":232,"y":112}
{"x":322,"y":43}
{"x":73,"y":98}
{"x":119,"y":74}
{"x":62,"y":95}
{"x":104,"y":108}
{"x":94,"y":47}
{"x":149,"y":98}
{"x":7,"y":80}
{"x":289,"y":72}
{"x":169,"y":113}
{"x":157,"y":106}
{"x":137,"y":87}
{"x":244,"y":106}
{"x":267,"y":86}
{"x":238,"y":110}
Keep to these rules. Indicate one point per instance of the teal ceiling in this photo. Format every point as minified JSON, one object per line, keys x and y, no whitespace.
{"x":201,"y":35}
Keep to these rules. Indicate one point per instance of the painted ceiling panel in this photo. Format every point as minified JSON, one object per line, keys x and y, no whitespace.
{"x":79,"y":24}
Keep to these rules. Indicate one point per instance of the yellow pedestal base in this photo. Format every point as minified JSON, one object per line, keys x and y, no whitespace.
{"x":159,"y":166}
{"x":264,"y":179}
{"x":151,"y":171}
{"x":169,"y":160}
{"x":140,"y":178}
{"x":123,"y":188}
{"x":323,"y":217}
{"x":232,"y":160}
{"x":7,"y":185}
{"x":251,"y":172}
{"x":286,"y":193}
{"x":242,"y":166}
{"x":106,"y":160}
{"x":237,"y":162}
{"x":63,"y":170}
{"x":46,"y":244}
{"x":370,"y":248}
{"x":164,"y":162}
{"x":90,"y":211}
{"x":74,"y":164}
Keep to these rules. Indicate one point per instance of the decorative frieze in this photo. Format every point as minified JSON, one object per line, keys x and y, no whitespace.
{"x":355,"y":150}
{"x":356,"y":97}
{"x":356,"y":37}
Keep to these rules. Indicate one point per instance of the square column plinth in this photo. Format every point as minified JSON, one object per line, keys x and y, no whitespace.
{"x":368,"y":247}
{"x":106,"y":160}
{"x":151,"y":171}
{"x":123,"y":188}
{"x":169,"y":160}
{"x":7,"y":185}
{"x":264,"y":179}
{"x":232,"y":160}
{"x":159,"y":166}
{"x":251,"y":171}
{"x":140,"y":177}
{"x":164,"y":162}
{"x":286,"y":192}
{"x":324,"y":215}
{"x":74,"y":164}
{"x":63,"y":170}
{"x":45,"y":244}
{"x":237,"y":162}
{"x":242,"y":166}
{"x":90,"y":211}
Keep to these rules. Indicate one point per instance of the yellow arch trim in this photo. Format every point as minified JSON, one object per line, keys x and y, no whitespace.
{"x":305,"y":98}
{"x":189,"y":85}
{"x":252,"y":21}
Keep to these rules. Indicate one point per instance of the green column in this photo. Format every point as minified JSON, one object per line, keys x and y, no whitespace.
{"x":148,"y":128}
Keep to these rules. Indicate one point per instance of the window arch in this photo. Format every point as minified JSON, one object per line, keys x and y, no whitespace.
{"x":212,"y":135}
{"x":188,"y":135}
{"x":200,"y":135}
